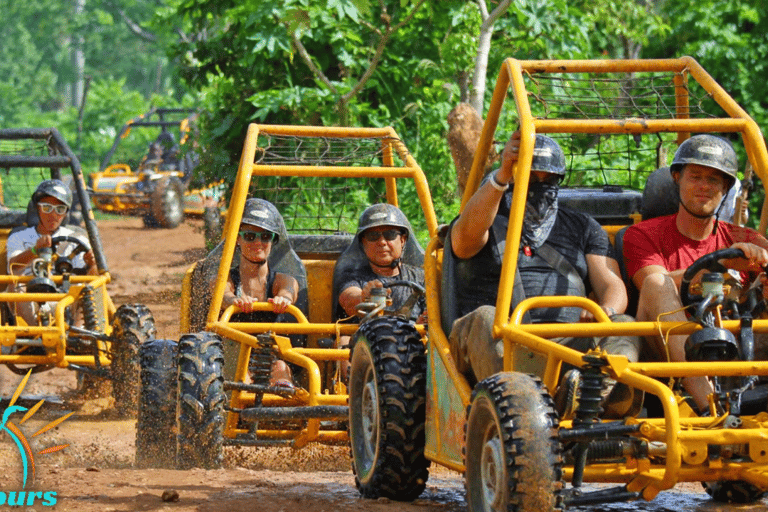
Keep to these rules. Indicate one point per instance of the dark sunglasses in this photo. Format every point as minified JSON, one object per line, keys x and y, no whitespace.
{"x":389,"y":235}
{"x":250,"y":236}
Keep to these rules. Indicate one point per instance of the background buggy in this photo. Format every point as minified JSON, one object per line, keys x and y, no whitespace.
{"x":156,"y":174}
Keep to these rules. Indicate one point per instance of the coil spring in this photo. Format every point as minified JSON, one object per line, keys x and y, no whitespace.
{"x":90,"y":315}
{"x":591,"y":386}
{"x":260,"y":363}
{"x":605,"y":450}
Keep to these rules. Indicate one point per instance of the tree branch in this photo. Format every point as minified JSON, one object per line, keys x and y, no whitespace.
{"x":304,"y":54}
{"x":135,"y":27}
{"x":379,"y":52}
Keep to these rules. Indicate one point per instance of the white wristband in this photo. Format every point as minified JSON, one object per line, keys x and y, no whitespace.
{"x":495,"y":183}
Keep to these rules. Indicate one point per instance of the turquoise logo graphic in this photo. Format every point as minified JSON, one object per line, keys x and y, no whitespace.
{"x":26,"y":455}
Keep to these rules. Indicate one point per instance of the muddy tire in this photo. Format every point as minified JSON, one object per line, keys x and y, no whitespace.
{"x":201,"y":401}
{"x":167,"y":203}
{"x":733,"y":492}
{"x":156,"y":419}
{"x":387,"y":390}
{"x":511,"y":452}
{"x":132,"y":326}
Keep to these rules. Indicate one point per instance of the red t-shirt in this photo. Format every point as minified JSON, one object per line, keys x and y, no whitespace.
{"x":658,"y":242}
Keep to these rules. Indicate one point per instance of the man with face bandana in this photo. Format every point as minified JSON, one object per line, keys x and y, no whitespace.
{"x":562,"y":252}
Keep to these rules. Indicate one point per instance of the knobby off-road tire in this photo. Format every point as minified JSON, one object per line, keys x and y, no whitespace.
{"x":156,"y":419}
{"x":511,"y":451}
{"x":167,"y":202}
{"x":201,"y":401}
{"x":132,"y":326}
{"x":733,"y":491}
{"x":387,"y":390}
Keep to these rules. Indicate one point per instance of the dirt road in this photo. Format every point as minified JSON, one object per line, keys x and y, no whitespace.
{"x":95,"y":471}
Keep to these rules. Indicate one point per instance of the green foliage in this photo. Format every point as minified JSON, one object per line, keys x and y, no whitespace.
{"x":238,"y":61}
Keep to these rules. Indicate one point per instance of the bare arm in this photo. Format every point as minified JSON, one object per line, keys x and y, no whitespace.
{"x":284,"y":292}
{"x":469,"y":233}
{"x":605,"y":278}
{"x":354,"y":295}
{"x":756,"y":257}
{"x":18,"y":263}
{"x":229,"y":294}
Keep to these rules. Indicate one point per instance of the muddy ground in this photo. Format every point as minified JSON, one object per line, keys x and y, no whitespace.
{"x":95,"y":471}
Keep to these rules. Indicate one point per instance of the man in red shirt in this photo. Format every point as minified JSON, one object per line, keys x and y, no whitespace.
{"x":658,"y":251}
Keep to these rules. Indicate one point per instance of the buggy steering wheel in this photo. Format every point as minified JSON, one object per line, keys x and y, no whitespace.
{"x":417,"y":291}
{"x":710,"y":262}
{"x":64,"y":263}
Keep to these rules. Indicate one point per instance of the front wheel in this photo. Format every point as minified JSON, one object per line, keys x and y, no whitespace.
{"x":132,"y":326}
{"x":733,"y":491}
{"x":156,"y":419}
{"x":167,"y":202}
{"x":201,"y":401}
{"x":387,"y":390}
{"x":512,"y":454}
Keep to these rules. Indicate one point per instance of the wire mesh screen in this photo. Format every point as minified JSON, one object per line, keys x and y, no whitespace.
{"x":316,"y":204}
{"x":645,"y":95}
{"x":18,"y":183}
{"x":600,"y":159}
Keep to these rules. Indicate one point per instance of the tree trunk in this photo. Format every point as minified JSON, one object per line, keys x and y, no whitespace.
{"x":465,"y":126}
{"x":477,"y":95}
{"x":78,"y":60}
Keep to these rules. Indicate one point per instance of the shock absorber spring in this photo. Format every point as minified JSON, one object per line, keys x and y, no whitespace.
{"x":610,"y":449}
{"x":260,"y":363}
{"x":590,"y":387}
{"x":588,"y":411}
{"x":88,"y":304}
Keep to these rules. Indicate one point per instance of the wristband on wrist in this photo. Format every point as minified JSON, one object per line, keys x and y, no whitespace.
{"x":501,"y":187}
{"x":33,"y":250}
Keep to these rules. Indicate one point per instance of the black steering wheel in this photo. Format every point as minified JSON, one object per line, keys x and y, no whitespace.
{"x":710,"y":262}
{"x":64,"y":263}
{"x":417,"y":291}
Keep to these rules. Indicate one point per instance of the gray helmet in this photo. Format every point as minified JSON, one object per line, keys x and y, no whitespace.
{"x":548,"y":156}
{"x":707,"y":150}
{"x":262,"y":214}
{"x":53,"y":188}
{"x":382,"y":214}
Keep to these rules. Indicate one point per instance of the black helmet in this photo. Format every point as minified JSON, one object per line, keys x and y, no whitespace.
{"x":548,"y":156}
{"x":263,"y":214}
{"x":53,"y":188}
{"x":382,"y":214}
{"x":707,"y":150}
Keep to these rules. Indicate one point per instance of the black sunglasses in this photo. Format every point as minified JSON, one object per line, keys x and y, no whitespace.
{"x":389,"y":235}
{"x":250,"y":236}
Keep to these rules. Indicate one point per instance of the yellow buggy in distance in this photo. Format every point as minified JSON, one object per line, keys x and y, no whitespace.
{"x":616,"y":122}
{"x":320,"y":179}
{"x":160,"y":187}
{"x":105,"y":344}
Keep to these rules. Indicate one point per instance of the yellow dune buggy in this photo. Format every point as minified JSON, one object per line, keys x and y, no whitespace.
{"x":157,"y":183}
{"x":617,"y":121}
{"x":212,"y":389}
{"x":101,"y":341}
